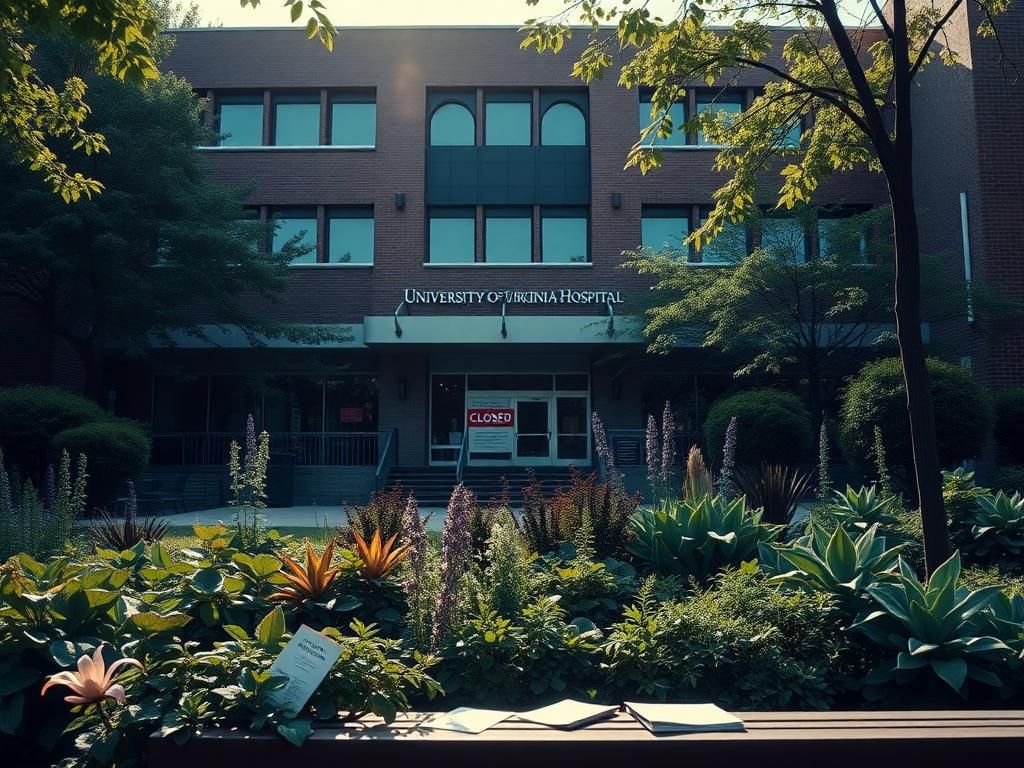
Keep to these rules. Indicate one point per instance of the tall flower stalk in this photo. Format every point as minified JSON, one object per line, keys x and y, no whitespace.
{"x":414,"y":534}
{"x":824,"y":477}
{"x":668,"y":447}
{"x":652,"y":446}
{"x":249,"y":481}
{"x":728,"y":474}
{"x":604,"y":453}
{"x":456,"y":545}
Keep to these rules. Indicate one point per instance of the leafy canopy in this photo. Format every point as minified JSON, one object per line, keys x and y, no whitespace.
{"x":42,"y":122}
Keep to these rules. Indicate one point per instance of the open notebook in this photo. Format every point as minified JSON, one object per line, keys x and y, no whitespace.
{"x":569,"y":713}
{"x":466,"y":720}
{"x":683,"y":718}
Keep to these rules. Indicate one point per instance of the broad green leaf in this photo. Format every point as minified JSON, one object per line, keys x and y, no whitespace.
{"x":207,"y":581}
{"x":153,"y":623}
{"x":952,"y":671}
{"x":17,"y":679}
{"x":271,"y":628}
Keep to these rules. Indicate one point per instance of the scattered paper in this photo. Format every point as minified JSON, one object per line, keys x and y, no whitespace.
{"x":569,"y":714}
{"x":467,"y":720}
{"x":305,"y":661}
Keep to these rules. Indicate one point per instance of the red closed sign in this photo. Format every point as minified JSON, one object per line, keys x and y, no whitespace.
{"x":491,"y":417}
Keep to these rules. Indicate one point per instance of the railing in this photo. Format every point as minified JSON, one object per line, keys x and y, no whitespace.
{"x":460,"y":463}
{"x":628,"y":446}
{"x":387,"y":459}
{"x":346,"y":449}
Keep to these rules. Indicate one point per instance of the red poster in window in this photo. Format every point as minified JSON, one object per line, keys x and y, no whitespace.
{"x":491,"y":417}
{"x":350,"y":415}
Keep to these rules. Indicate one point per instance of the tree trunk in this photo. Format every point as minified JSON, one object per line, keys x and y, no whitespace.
{"x":927,"y":470}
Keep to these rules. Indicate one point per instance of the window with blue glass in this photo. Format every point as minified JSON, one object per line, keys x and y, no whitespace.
{"x":508,"y":121}
{"x":297,"y":120}
{"x":451,"y":236}
{"x":508,"y":235}
{"x":295,"y":228}
{"x":240,"y":120}
{"x":354,"y":120}
{"x":729,"y":246}
{"x":452,"y":125}
{"x":350,"y":235}
{"x":723,"y":108}
{"x":564,"y":235}
{"x":664,"y":230}
{"x":563,"y":125}
{"x":677,"y":115}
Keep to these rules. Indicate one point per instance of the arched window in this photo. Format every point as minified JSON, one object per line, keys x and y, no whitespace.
{"x":564,"y":126}
{"x":452,"y":125}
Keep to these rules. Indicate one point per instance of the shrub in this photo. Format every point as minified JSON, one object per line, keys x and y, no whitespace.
{"x":30,"y":417}
{"x":120,"y":533}
{"x":1010,"y":479}
{"x":772,"y":425}
{"x":698,"y":539}
{"x":997,"y":530}
{"x":117,"y":451}
{"x":775,"y":489}
{"x":1009,"y":425}
{"x":876,"y":396}
{"x":383,"y":512}
{"x":507,"y":576}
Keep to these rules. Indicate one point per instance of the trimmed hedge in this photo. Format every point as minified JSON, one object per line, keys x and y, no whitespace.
{"x":1009,"y":427}
{"x":876,"y":396}
{"x":116,"y":451}
{"x":30,"y":417}
{"x":771,"y":425}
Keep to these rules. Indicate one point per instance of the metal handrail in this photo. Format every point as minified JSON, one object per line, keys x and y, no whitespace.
{"x":308,"y":448}
{"x":460,"y":463}
{"x":381,"y":474}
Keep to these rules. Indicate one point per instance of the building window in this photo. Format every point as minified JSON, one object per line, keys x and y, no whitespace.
{"x":452,"y":236}
{"x":297,"y":120}
{"x":722,"y":107}
{"x":295,"y":228}
{"x":676,"y":113}
{"x":240,"y":121}
{"x":350,"y":236}
{"x":784,"y":238}
{"x":842,"y":237}
{"x":563,"y":125}
{"x":507,"y":122}
{"x":350,"y":405}
{"x":354,"y":120}
{"x":452,"y":125}
{"x":564,"y":236}
{"x":729,"y":246}
{"x":508,"y":235}
{"x":665,"y":230}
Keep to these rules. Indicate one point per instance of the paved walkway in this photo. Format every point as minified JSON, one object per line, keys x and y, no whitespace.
{"x":286,"y":517}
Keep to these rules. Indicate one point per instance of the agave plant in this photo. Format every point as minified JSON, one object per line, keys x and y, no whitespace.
{"x":311,"y":582}
{"x":933,"y":628}
{"x":776,"y":489}
{"x":862,"y":508}
{"x":378,"y":559}
{"x":833,"y":562}
{"x":697,"y":538}
{"x":998,"y":529}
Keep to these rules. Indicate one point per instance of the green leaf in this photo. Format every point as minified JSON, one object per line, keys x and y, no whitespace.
{"x":236,"y":632}
{"x":207,"y":581}
{"x":296,"y":731}
{"x":841,"y":555}
{"x":153,"y":623}
{"x":271,"y":628}
{"x":296,"y":10}
{"x":11,"y":708}
{"x":17,"y":679}
{"x":952,"y":671}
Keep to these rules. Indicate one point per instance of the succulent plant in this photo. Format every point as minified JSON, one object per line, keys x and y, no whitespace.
{"x":378,"y":558}
{"x":998,"y":527}
{"x":698,"y":537}
{"x":860,"y":509}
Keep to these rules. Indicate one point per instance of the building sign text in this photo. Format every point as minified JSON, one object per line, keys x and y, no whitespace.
{"x":556,"y":296}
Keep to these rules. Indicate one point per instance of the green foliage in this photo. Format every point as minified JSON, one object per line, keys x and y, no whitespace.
{"x":587,"y":589}
{"x":1009,"y":426}
{"x":549,"y":522}
{"x":41,"y":526}
{"x":117,"y":451}
{"x":248,"y":484}
{"x":773,"y":426}
{"x":877,"y":396}
{"x":933,"y":631}
{"x":740,"y":643}
{"x":31,"y":416}
{"x":1010,"y":478}
{"x":698,"y":539}
{"x":383,"y":512}
{"x":860,"y":509}
{"x":508,"y":574}
{"x":997,"y":529}
{"x":960,"y":494}
{"x":832,"y":563}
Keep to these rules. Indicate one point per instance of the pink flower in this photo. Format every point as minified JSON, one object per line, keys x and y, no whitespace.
{"x":92,"y":683}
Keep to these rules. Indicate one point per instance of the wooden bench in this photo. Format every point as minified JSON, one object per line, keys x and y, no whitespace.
{"x":968,"y":739}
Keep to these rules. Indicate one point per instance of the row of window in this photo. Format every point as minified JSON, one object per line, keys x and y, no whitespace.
{"x":350,"y":120}
{"x":510,"y":235}
{"x":665,"y":228}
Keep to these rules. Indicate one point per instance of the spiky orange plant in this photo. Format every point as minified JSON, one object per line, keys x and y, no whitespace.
{"x":309,"y":582}
{"x":379,"y":559}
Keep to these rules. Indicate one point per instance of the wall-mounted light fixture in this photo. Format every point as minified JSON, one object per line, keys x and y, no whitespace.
{"x":399,"y":200}
{"x":403,"y":389}
{"x":616,"y":200}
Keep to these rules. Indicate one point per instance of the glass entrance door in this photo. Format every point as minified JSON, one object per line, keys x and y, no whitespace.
{"x":533,"y":431}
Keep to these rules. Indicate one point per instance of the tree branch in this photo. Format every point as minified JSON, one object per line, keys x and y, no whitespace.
{"x":886,"y":27}
{"x":923,"y":53}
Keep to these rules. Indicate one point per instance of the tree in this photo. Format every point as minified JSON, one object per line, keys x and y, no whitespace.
{"x":122,"y":35}
{"x":130,"y":266}
{"x":774,"y":309}
{"x":850,"y":90}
